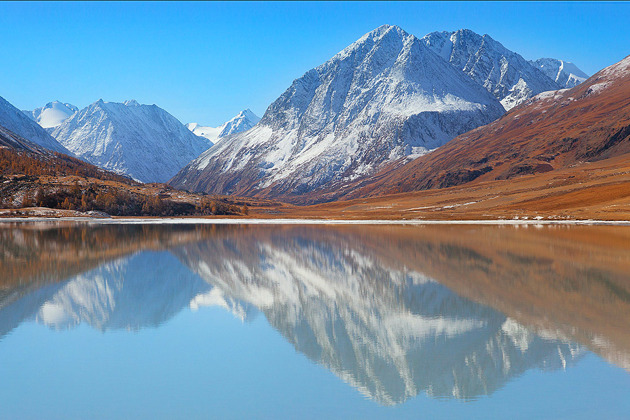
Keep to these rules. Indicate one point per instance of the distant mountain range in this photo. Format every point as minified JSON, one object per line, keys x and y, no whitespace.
{"x":242,"y":122}
{"x":388,"y":98}
{"x":565,"y":74}
{"x":18,"y":123}
{"x":142,"y":141}
{"x":52,"y":114}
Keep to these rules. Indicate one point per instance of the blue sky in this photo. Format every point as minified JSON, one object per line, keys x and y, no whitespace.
{"x":205,"y":61}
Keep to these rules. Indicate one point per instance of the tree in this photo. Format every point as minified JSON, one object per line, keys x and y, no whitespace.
{"x":39,"y":197}
{"x":26,"y":201}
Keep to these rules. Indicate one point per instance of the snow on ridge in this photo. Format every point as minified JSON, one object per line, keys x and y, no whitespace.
{"x":479,"y":56}
{"x":243,"y":121}
{"x":52,"y":114}
{"x":383,"y":97}
{"x":564,"y":73}
{"x":141,"y":141}
{"x":617,"y":70}
{"x":23,"y":125}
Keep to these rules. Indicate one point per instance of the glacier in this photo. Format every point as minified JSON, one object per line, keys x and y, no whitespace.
{"x":52,"y":114}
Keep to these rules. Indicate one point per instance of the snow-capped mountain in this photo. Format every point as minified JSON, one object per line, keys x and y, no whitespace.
{"x":245,"y":120}
{"x":142,"y":141}
{"x":504,"y":73}
{"x":16,"y":121}
{"x":52,"y":114}
{"x":551,"y":131}
{"x":12,"y":141}
{"x":384,"y":97}
{"x":564,"y":73}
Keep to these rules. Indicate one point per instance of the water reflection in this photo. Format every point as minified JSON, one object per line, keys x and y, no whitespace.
{"x":393,"y":311}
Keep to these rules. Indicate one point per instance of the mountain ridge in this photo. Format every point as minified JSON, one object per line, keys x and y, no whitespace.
{"x":504,"y":73}
{"x":141,"y":141}
{"x":243,"y":121}
{"x":52,"y":114}
{"x":336,"y":121}
{"x":565,"y":73}
{"x":19,"y":123}
{"x":553,"y":130}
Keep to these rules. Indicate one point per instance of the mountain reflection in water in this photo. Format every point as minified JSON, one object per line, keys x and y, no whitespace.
{"x":393,"y":311}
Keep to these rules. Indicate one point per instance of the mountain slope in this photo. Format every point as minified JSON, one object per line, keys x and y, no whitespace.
{"x":11,"y":141}
{"x":19,"y":156}
{"x":553,"y":130}
{"x":142,"y":141}
{"x":245,"y":120}
{"x":384,"y":97}
{"x":52,"y":114}
{"x":17,"y":122}
{"x":564,"y":73}
{"x":504,"y":73}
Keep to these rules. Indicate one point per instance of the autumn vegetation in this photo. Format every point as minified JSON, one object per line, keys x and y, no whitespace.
{"x":57,"y":181}
{"x":55,"y":164}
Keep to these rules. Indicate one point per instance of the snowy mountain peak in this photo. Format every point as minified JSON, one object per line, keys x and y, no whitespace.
{"x":142,"y":141}
{"x":384,"y":97}
{"x":247,"y":113}
{"x":378,"y":34}
{"x":564,"y":73}
{"x":504,"y":73}
{"x":23,"y":125}
{"x":52,"y":114}
{"x":245,"y":120}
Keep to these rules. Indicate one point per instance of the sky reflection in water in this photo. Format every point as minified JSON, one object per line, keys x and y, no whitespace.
{"x":222,"y":321}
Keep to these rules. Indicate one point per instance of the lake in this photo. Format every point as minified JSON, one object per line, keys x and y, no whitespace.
{"x":296,"y":321}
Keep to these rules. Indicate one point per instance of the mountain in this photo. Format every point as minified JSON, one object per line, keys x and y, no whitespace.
{"x":384,"y":97}
{"x":554,"y":130}
{"x":52,"y":114}
{"x":11,"y":141}
{"x":18,"y":123}
{"x":564,"y":73}
{"x":504,"y":73}
{"x":242,"y":122}
{"x":142,"y":141}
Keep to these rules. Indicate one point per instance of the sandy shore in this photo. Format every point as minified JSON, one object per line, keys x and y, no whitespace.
{"x":234,"y":221}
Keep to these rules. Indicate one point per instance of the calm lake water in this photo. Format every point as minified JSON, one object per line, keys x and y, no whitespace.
{"x":238,"y":321}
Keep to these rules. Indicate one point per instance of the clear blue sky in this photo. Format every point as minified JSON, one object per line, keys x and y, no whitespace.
{"x":204,"y":62}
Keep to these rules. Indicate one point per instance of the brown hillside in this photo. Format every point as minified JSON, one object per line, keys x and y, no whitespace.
{"x":31,"y":176}
{"x":554,"y":130}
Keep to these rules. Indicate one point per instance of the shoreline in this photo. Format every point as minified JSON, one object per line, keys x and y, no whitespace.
{"x":232,"y":221}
